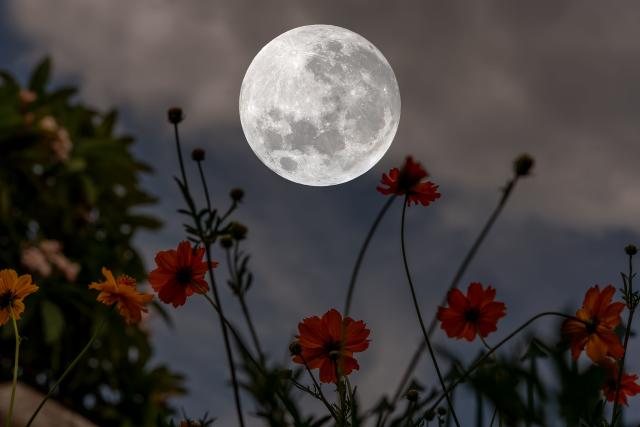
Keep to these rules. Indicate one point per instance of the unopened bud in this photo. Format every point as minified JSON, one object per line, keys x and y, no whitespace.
{"x":412,"y":395}
{"x":226,"y":242}
{"x":631,"y":250}
{"x":238,"y":231}
{"x":198,"y":154}
{"x":429,"y":416}
{"x":295,"y":348}
{"x":523,"y":164}
{"x":175,"y":115}
{"x":442,"y":411}
{"x":236,"y":194}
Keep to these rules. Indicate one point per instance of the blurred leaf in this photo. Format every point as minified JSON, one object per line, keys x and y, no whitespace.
{"x":40,"y":76}
{"x":52,"y":321}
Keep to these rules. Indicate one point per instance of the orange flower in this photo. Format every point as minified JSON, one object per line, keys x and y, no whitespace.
{"x":475,"y":313}
{"x":180,"y":274}
{"x":628,"y":385}
{"x":122,"y":292}
{"x":595,"y":330}
{"x":322,"y":343}
{"x":408,"y":180}
{"x":13,"y":290}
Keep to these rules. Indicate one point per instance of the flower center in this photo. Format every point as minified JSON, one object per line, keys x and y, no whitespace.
{"x":332,"y":347}
{"x":7,"y":299}
{"x":472,"y":315}
{"x":183,"y":276}
{"x":592,"y":325}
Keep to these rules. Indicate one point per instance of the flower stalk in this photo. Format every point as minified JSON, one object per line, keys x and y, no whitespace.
{"x":72,"y":365}
{"x":632,"y":300}
{"x":419,"y":314}
{"x":16,"y":360}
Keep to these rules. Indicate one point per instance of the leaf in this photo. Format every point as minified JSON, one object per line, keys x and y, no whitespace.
{"x":40,"y":75}
{"x":52,"y":322}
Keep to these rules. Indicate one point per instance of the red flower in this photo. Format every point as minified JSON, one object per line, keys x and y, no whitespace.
{"x":180,"y":274}
{"x":596,"y":328}
{"x":322,"y":343}
{"x":475,"y":313}
{"x":628,"y":385}
{"x":408,"y":180}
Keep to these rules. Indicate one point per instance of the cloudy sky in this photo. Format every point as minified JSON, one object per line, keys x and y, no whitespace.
{"x":480,"y":83}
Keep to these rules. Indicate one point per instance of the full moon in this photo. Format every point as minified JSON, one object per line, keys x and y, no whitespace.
{"x":319,"y":105}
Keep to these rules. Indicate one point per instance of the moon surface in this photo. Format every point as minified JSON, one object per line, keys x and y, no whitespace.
{"x":319,"y":105}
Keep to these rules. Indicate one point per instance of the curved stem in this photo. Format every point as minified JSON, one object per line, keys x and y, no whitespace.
{"x":16,"y":360}
{"x":632,"y":309}
{"x":207,"y":246}
{"x":506,"y":192}
{"x":245,"y":350}
{"x":317,"y":385}
{"x":225,"y":335}
{"x":419,"y":314}
{"x":75,"y":361}
{"x":493,"y":349}
{"x":204,"y":186}
{"x":363,"y":250}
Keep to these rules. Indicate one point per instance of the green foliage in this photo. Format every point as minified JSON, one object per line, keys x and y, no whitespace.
{"x":69,"y":189}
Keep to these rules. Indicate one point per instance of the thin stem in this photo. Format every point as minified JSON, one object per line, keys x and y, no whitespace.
{"x":417,"y":307}
{"x":207,"y":246}
{"x":225,"y":335}
{"x":627,"y":334}
{"x":506,"y":192}
{"x":317,"y":385}
{"x":243,"y":304}
{"x":363,"y":250}
{"x":180,"y":160}
{"x":245,"y":350}
{"x":489,"y":353}
{"x":15,"y":368}
{"x":493,"y":417}
{"x":75,"y":361}
{"x":204,"y":185}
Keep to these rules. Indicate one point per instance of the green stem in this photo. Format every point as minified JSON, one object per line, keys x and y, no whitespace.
{"x":506,"y":192}
{"x":15,"y":368}
{"x":627,"y":334}
{"x":204,"y":185}
{"x":419,"y":314}
{"x":363,"y":250}
{"x":75,"y":361}
{"x":207,"y":246}
{"x":488,"y":354}
{"x":317,"y":385}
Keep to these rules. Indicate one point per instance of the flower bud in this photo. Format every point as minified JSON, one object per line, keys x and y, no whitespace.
{"x":236,"y":194}
{"x":238,"y":231}
{"x":412,"y":395}
{"x":523,"y":164}
{"x":631,"y":250}
{"x":442,"y":411}
{"x":197,"y":154}
{"x":429,"y":416}
{"x":295,"y":348}
{"x":175,"y":115}
{"x":226,"y":242}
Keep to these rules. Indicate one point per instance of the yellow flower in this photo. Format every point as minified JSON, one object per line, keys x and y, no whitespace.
{"x":13,"y":290}
{"x":122,"y":292}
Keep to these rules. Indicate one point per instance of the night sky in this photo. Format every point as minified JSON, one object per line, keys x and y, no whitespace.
{"x":481,"y":82}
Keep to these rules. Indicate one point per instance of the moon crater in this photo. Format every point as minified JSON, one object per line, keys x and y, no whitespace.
{"x":319,"y":105}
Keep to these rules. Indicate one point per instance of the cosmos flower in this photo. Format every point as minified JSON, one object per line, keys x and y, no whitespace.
{"x":475,"y":313}
{"x":628,"y":385}
{"x":322,"y":344}
{"x":180,"y":274}
{"x":409,"y":181}
{"x":595,"y":329}
{"x":13,"y":290}
{"x":122,"y":292}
